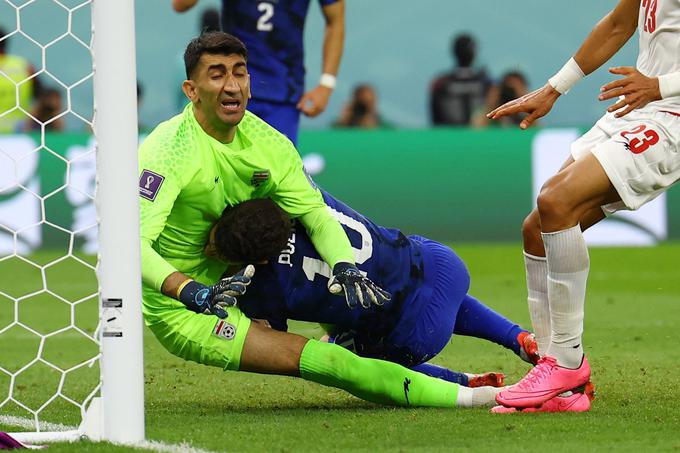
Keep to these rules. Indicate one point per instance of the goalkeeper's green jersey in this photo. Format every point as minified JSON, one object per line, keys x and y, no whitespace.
{"x":187,"y":178}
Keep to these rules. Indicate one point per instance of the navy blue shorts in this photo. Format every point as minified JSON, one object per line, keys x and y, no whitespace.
{"x":426,"y":324}
{"x":284,"y":117}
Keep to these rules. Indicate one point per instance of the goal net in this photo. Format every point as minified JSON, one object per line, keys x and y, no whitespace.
{"x":70,"y":320}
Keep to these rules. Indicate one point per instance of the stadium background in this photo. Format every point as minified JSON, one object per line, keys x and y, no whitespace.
{"x":400,"y":52}
{"x":462,"y":172}
{"x":471,"y":185}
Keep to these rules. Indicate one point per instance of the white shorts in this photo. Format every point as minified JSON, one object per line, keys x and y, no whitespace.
{"x":640,"y":154}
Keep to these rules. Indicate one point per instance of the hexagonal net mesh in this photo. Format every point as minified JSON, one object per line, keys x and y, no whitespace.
{"x":49,"y":347}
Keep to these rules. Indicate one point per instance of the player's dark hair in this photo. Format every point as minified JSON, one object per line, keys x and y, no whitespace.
{"x":212,"y":42}
{"x":464,"y":48}
{"x":252,"y":231}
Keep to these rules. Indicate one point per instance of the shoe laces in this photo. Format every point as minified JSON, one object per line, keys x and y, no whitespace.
{"x":542,"y":370}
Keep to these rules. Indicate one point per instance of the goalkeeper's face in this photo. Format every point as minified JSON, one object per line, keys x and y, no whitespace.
{"x":219,"y":89}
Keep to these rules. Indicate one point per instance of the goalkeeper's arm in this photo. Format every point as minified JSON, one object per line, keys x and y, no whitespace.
{"x":207,"y":299}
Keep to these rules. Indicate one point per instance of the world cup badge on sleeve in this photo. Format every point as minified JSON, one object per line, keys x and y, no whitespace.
{"x":150,"y":184}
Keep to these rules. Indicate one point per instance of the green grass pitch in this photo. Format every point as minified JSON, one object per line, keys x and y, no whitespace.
{"x":632,"y":338}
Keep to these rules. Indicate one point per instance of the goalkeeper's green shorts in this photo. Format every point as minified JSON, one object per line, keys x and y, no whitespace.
{"x":205,"y":339}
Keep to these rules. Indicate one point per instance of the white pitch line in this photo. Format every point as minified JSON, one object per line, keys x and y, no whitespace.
{"x":27,"y":423}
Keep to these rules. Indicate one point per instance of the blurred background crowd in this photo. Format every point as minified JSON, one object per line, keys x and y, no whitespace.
{"x":439,"y":64}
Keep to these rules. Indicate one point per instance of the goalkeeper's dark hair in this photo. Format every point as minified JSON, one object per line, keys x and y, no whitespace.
{"x":212,"y":42}
{"x":252,"y":231}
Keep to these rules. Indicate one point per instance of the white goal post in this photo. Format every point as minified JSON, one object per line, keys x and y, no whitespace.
{"x":117,"y":413}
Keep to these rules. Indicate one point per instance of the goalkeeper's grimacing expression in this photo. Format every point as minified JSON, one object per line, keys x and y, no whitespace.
{"x":219,"y":88}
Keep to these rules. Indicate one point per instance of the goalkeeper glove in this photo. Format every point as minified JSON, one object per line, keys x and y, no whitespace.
{"x":347,"y":279}
{"x":214,"y":299}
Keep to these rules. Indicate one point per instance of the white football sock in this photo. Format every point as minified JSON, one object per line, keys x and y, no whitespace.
{"x":477,"y":396}
{"x":537,"y":288}
{"x":568,"y":265}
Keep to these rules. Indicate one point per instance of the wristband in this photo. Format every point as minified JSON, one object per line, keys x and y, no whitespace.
{"x":669,"y":85}
{"x":566,"y":77}
{"x":327,"y":80}
{"x":195,"y":296}
{"x":181,"y":287}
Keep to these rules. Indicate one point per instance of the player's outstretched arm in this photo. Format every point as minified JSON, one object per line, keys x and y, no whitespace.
{"x":314,"y":101}
{"x":606,"y":38}
{"x":208,"y":299}
{"x":535,"y":104}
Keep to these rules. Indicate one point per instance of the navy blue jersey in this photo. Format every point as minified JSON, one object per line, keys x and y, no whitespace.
{"x":294,"y":285}
{"x":273,"y":33}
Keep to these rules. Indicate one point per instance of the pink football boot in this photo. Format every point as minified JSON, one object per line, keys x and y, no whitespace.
{"x":545,"y":381}
{"x":579,"y":401}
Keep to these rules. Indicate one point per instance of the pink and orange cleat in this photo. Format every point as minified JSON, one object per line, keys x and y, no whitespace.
{"x":487,"y":379}
{"x":544,"y":382}
{"x":528,"y":348}
{"x":578,"y":401}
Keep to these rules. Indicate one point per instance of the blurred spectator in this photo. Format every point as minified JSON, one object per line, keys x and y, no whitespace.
{"x":210,"y":20}
{"x":48,"y":105}
{"x":16,"y":70}
{"x":513,"y":85}
{"x":362,"y":110}
{"x":456,"y":97}
{"x":141,"y":127}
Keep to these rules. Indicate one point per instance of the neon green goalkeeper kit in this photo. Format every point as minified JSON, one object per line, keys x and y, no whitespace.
{"x":187,"y":178}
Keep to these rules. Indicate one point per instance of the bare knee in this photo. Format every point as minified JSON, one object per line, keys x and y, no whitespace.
{"x":269,"y":351}
{"x":555,"y":206}
{"x":531,"y":234}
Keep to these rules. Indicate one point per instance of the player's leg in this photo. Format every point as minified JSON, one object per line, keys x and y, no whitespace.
{"x":477,"y":320}
{"x":536,"y":269}
{"x":492,"y":379}
{"x":364,"y":346}
{"x":284,"y":117}
{"x":272,"y":352}
{"x":564,"y":199}
{"x":630,"y":168}
{"x":426,"y":322}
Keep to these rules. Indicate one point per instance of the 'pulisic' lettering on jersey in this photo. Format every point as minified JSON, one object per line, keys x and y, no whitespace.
{"x":294,"y":285}
{"x":149,"y":184}
{"x":284,"y":257}
{"x":273,"y":33}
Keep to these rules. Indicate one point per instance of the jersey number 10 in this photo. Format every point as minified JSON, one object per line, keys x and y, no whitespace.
{"x":313,"y":266}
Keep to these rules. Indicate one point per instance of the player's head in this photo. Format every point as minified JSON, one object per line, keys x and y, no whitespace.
{"x":250,"y":232}
{"x":217,"y":82}
{"x":464,"y":48}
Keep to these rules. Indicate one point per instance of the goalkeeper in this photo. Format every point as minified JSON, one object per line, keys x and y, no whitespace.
{"x":216,"y":154}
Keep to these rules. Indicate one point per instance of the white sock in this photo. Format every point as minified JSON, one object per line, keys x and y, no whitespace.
{"x":477,"y":396}
{"x":568,"y":266}
{"x":537,"y":288}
